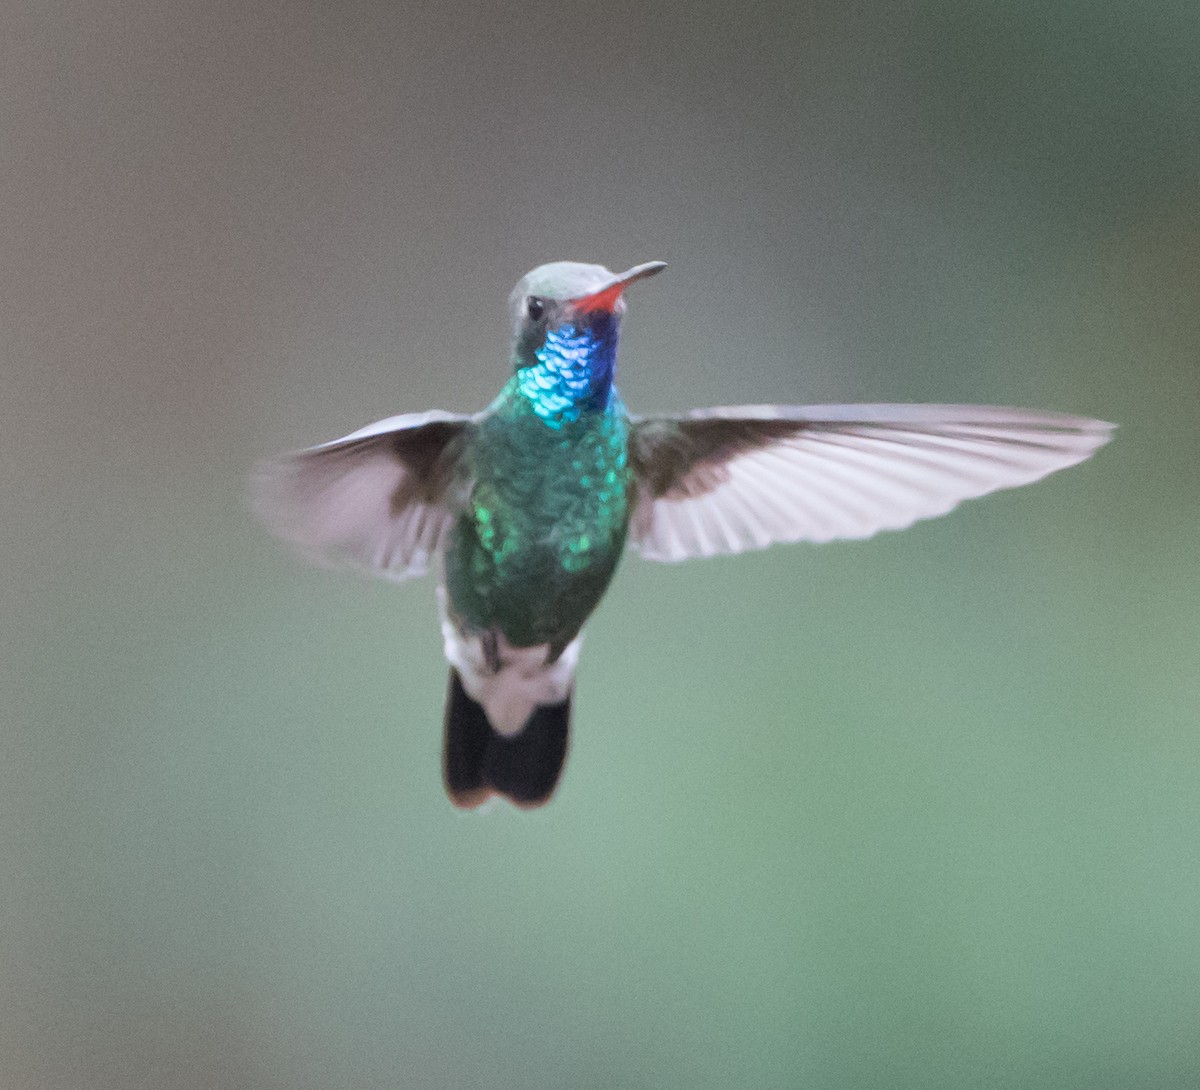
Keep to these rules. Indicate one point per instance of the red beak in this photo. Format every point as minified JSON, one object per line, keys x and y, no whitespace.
{"x":606,"y":298}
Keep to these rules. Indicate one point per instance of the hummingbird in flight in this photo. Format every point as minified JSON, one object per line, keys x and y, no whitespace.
{"x":526,"y":508}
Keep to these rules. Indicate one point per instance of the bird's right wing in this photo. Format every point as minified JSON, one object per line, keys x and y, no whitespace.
{"x":731,"y":479}
{"x":375,"y":499}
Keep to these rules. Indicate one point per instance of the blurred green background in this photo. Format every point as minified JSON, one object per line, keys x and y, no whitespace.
{"x":922,"y":811}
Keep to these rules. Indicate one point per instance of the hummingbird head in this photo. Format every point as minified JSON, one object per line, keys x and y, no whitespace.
{"x":566,"y":318}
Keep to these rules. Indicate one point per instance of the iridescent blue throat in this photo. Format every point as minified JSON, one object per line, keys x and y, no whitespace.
{"x":574,"y":371}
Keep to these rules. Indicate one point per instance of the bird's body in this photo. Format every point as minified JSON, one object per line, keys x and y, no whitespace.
{"x":527,"y":507}
{"x":544,"y":522}
{"x":526,"y":560}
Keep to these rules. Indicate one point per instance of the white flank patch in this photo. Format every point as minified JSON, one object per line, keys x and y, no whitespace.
{"x":524,"y":679}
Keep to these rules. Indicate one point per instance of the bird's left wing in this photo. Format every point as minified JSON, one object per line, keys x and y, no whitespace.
{"x":731,"y":479}
{"x":376,"y":499}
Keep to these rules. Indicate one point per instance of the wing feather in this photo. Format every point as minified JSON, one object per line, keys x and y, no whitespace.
{"x":378,"y":499}
{"x":730,"y":479}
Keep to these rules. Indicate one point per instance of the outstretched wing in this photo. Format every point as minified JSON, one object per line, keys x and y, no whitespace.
{"x":731,"y":479}
{"x":375,"y":499}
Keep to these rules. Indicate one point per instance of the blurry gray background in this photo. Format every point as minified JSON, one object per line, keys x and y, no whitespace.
{"x":922,"y":811}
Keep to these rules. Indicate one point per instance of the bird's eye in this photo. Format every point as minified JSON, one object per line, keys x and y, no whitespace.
{"x":535,"y":307}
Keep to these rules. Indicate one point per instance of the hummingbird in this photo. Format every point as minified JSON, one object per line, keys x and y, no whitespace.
{"x":526,"y":508}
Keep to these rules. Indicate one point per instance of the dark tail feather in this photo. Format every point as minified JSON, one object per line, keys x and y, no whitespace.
{"x":465,"y":754}
{"x":478,"y":762}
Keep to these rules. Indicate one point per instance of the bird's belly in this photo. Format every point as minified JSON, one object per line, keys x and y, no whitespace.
{"x":533,"y":584}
